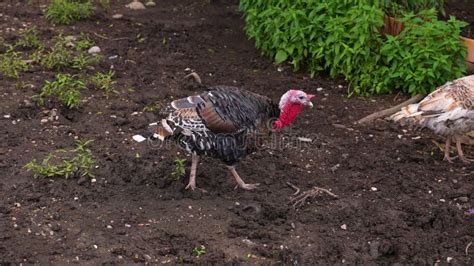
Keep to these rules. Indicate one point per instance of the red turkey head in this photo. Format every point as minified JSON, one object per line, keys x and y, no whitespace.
{"x":291,"y":104}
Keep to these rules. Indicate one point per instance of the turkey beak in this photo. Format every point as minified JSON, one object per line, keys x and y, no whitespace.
{"x":308,"y":102}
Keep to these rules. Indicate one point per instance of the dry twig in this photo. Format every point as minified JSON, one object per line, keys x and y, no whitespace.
{"x":107,"y":38}
{"x":390,"y":111}
{"x":195,"y":76}
{"x":294,"y":187}
{"x":300,"y":199}
{"x":467,"y":248}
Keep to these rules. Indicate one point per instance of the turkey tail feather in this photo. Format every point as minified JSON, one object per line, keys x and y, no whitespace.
{"x":408,"y":114}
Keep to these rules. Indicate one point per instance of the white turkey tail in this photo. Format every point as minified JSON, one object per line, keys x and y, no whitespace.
{"x":408,"y":113}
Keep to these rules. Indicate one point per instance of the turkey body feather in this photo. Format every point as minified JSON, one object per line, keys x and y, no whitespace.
{"x":223,"y":122}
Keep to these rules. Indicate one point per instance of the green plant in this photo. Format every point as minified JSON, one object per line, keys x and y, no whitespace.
{"x":152,"y":107}
{"x":199,"y":251}
{"x":65,"y":88}
{"x":105,"y":4}
{"x":68,"y":11}
{"x":104,"y":81}
{"x":65,"y":163}
{"x":179,"y":168}
{"x":424,"y":55}
{"x":398,"y":8}
{"x":61,"y":56}
{"x":29,"y":39}
{"x":83,"y":42}
{"x":12,"y":64}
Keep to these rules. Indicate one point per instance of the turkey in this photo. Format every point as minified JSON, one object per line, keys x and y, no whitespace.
{"x":448,"y":111}
{"x":227,"y":123}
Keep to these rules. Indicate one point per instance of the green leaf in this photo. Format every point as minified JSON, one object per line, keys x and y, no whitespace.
{"x":281,"y":56}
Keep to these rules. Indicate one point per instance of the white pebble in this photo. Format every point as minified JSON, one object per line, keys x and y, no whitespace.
{"x":93,"y":180}
{"x":94,"y":50}
{"x":117,"y":16}
{"x":373,"y":189}
{"x":138,"y":138}
{"x":449,"y":259}
{"x":7,"y":116}
{"x":127,"y":225}
{"x":150,"y":3}
{"x":135,"y":5}
{"x":302,"y":139}
{"x":319,"y":89}
{"x":344,"y":227}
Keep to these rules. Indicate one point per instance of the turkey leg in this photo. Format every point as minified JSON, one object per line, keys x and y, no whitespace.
{"x":446,"y":151}
{"x":241,"y":182}
{"x":192,"y":177}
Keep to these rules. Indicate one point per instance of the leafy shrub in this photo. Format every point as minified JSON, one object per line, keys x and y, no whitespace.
{"x":398,"y":8}
{"x":12,"y":64}
{"x":65,"y":88}
{"x":343,"y":37}
{"x":423,"y":56}
{"x":68,"y":11}
{"x":65,"y":163}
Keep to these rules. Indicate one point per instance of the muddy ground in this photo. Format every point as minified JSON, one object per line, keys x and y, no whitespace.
{"x":398,"y":202}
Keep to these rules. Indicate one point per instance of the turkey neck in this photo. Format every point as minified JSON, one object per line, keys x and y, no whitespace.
{"x":287,"y":115}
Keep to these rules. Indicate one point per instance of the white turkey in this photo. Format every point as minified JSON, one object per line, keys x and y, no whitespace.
{"x":448,"y":111}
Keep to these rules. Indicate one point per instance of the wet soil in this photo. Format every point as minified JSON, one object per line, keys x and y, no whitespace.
{"x":398,"y":201}
{"x":462,"y":10}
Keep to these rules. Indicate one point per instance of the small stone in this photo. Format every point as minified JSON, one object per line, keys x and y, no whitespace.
{"x":302,"y":139}
{"x":93,"y":180}
{"x":117,"y":16}
{"x":136,"y":5}
{"x":109,"y":227}
{"x":449,"y":259}
{"x":373,"y":189}
{"x":7,"y":116}
{"x":150,"y":3}
{"x":442,"y":200}
{"x":344,"y":227}
{"x":94,"y":50}
{"x":127,"y":225}
{"x":319,"y":89}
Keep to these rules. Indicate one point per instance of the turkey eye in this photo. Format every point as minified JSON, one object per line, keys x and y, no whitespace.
{"x":301,"y":97}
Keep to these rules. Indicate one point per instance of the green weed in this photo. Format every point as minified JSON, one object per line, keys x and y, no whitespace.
{"x":68,"y":11}
{"x":199,"y":251}
{"x":152,"y":107}
{"x":77,"y":162}
{"x":65,"y":88}
{"x":104,"y":81}
{"x":12,"y":64}
{"x":29,"y":39}
{"x":179,"y":168}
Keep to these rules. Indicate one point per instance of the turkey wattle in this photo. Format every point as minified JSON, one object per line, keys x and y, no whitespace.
{"x":448,"y":111}
{"x":226,"y":123}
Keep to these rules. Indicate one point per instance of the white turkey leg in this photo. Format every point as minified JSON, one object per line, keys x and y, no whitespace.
{"x":446,"y":151}
{"x":241,"y":182}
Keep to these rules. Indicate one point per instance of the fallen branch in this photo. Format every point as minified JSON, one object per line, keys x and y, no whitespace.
{"x":300,"y":199}
{"x":390,"y":111}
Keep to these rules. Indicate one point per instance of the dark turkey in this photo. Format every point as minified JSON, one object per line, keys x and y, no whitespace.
{"x":227,"y":123}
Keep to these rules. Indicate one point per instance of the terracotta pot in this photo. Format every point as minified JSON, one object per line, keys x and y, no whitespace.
{"x":470,"y":53}
{"x":391,"y":26}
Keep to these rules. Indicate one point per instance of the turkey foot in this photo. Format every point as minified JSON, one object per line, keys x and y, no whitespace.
{"x":463,"y":158}
{"x":241,"y":182}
